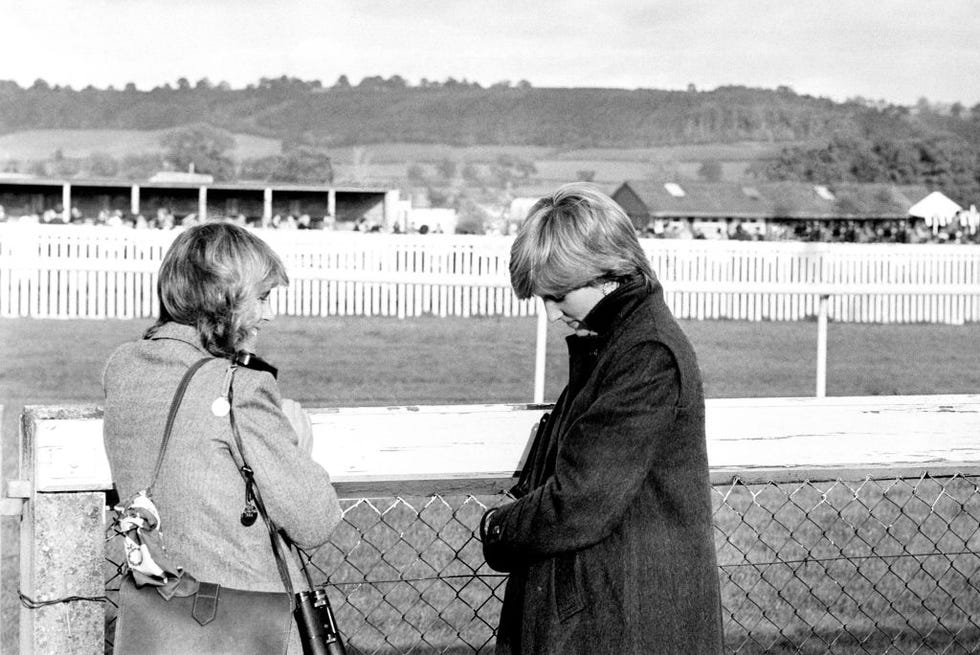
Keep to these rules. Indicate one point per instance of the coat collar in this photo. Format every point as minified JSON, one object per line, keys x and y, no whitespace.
{"x":610,"y":311}
{"x":179,"y":332}
{"x":188,"y":334}
{"x":605,"y":318}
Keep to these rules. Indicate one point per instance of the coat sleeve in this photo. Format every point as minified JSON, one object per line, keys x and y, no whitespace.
{"x":296,"y":490}
{"x":603,"y":459}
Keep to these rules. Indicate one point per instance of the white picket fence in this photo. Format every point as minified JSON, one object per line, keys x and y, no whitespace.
{"x":97,"y":272}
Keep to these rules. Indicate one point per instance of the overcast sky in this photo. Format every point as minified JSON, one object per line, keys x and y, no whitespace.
{"x":894,"y":50}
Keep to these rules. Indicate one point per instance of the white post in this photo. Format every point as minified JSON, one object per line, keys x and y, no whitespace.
{"x":540,"y":350}
{"x":66,"y":203}
{"x":134,"y":200}
{"x":267,"y":203}
{"x":202,"y":204}
{"x":390,"y":208}
{"x":822,"y":346}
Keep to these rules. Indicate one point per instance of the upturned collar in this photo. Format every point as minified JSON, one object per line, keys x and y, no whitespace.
{"x":618,"y":304}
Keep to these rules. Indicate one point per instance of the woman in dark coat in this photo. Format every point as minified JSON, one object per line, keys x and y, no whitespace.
{"x":610,"y":545}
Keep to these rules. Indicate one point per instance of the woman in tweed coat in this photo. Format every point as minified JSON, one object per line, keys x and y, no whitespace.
{"x":609,"y":546}
{"x":214,"y":286}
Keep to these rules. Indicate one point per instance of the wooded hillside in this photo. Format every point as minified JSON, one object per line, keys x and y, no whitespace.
{"x":464,"y":114}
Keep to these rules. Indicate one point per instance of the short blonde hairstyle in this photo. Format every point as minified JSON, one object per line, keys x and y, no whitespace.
{"x":208,"y":275}
{"x":574,"y":238}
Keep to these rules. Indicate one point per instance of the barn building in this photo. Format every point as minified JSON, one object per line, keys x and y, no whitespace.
{"x":760,"y":209}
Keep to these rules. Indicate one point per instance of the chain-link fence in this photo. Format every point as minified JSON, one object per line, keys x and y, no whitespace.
{"x":869,"y":566}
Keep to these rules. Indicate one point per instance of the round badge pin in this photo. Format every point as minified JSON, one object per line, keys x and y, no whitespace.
{"x":220,"y":406}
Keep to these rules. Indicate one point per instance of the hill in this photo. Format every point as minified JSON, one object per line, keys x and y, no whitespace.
{"x":460,"y":114}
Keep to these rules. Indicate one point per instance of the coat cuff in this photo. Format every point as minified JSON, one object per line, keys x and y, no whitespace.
{"x":491,"y":534}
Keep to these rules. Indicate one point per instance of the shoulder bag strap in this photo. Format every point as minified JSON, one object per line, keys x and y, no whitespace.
{"x":174,"y":406}
{"x":252,"y":489}
{"x":524,"y":481}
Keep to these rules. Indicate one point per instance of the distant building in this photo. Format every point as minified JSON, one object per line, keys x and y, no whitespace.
{"x":711,"y":209}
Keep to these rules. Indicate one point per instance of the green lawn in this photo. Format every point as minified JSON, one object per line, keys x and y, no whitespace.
{"x":379,"y":361}
{"x":355,"y":361}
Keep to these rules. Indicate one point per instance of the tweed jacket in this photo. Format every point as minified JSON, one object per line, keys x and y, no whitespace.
{"x":200,"y":493}
{"x":611,"y":550}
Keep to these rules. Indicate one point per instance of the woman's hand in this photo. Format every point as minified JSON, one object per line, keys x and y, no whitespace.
{"x":300,"y":421}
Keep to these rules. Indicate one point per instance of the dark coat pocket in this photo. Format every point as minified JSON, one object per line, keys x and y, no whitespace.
{"x":569,"y":600}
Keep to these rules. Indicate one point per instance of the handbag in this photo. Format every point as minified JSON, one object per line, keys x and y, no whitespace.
{"x":214,"y":619}
{"x":165,"y":610}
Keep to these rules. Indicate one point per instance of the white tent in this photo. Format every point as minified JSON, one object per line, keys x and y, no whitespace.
{"x":936,"y":209}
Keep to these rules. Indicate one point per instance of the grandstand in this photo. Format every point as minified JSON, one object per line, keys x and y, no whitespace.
{"x":91,"y":201}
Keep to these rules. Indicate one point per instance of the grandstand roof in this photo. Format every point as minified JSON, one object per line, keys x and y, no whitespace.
{"x":694,"y":199}
{"x":800,"y":200}
{"x":107,"y":183}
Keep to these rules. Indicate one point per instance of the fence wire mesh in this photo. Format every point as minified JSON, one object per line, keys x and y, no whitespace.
{"x":868,"y":566}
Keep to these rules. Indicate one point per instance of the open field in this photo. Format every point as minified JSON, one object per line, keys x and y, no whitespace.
{"x":41,"y":144}
{"x":388,"y":162}
{"x":377,"y":361}
{"x":35,"y":144}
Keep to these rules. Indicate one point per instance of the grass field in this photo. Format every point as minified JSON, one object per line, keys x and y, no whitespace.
{"x":41,"y":144}
{"x":378,"y":361}
{"x":386,"y":163}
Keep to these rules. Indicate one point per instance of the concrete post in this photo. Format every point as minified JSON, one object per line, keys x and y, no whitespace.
{"x":62,"y":554}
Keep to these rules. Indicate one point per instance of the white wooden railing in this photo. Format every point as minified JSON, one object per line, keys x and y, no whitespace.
{"x":901,"y":494}
{"x":93,"y":272}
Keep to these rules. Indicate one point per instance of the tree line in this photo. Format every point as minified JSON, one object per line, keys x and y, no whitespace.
{"x":946,"y":164}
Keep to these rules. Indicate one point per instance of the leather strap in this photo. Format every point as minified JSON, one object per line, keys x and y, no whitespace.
{"x":174,"y":406}
{"x":277,"y":539}
{"x":206,"y":603}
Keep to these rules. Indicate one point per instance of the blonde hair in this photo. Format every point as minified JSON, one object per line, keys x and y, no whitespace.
{"x":206,"y":279}
{"x":576,"y":237}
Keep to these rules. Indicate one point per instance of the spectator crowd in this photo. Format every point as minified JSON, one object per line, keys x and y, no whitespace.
{"x":911,"y":230}
{"x":891,"y":230}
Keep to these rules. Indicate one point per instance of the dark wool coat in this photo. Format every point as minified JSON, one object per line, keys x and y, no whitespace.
{"x":612,"y":549}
